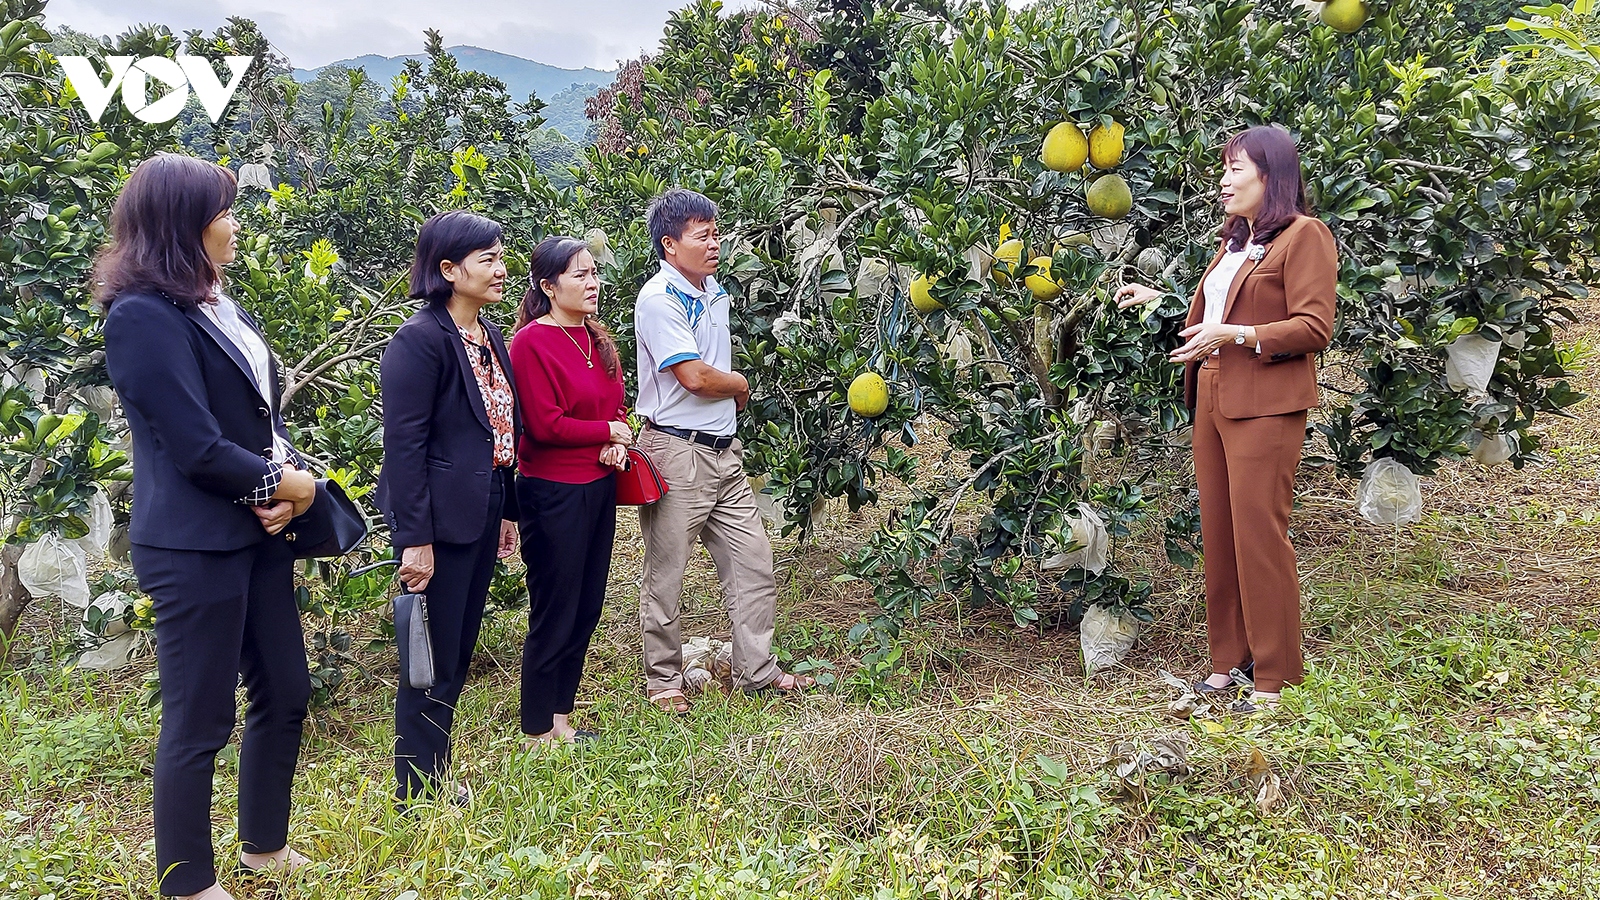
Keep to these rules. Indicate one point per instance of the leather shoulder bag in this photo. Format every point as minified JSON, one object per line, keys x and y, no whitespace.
{"x":640,"y":482}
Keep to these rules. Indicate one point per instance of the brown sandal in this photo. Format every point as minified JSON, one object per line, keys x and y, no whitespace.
{"x":784,"y":683}
{"x":671,"y":700}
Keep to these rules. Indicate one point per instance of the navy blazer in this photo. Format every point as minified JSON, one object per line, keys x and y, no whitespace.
{"x":438,"y":444}
{"x":201,"y":430}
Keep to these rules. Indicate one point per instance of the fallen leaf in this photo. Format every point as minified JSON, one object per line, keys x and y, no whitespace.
{"x":1269,"y":794}
{"x":1258,"y":765}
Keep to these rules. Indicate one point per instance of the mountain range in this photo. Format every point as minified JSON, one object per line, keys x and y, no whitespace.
{"x":564,"y":89}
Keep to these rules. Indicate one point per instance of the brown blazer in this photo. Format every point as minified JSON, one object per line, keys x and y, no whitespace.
{"x":1289,"y":296}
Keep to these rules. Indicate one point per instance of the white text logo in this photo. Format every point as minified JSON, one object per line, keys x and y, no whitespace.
{"x":180,"y":76}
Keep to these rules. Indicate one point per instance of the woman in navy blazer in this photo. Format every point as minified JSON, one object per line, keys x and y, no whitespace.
{"x":446,"y":491}
{"x":215,"y":481}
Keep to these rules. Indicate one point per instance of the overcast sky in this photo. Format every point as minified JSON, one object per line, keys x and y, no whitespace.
{"x":312,"y":33}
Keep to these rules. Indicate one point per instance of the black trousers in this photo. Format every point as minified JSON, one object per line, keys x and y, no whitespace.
{"x":456,"y":594}
{"x":567,"y":532}
{"x":220,"y":617}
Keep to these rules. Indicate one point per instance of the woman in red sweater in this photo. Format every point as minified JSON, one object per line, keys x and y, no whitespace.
{"x":575,"y":436}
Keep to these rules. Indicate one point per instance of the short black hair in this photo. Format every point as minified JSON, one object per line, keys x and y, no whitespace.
{"x":671,"y":213}
{"x":454,"y":236}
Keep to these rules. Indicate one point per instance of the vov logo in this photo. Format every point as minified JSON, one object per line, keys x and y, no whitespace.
{"x":133,"y":77}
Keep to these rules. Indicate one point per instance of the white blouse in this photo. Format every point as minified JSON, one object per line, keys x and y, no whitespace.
{"x":225,"y":312}
{"x":1217,"y":283}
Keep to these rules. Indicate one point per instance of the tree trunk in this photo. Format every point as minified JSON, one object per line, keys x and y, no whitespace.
{"x":14,"y":598}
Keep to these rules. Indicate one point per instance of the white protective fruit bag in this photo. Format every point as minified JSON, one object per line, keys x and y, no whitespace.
{"x":100,"y":521}
{"x":1086,"y":533}
{"x":1470,"y":363}
{"x":1106,"y":638}
{"x":1492,"y":449}
{"x":870,"y":276}
{"x":55,"y":567}
{"x":1389,"y":493}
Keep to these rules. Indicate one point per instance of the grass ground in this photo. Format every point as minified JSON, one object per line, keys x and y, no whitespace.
{"x":1445,"y":744}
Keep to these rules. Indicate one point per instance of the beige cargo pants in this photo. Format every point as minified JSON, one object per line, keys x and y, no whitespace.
{"x":708,"y":499}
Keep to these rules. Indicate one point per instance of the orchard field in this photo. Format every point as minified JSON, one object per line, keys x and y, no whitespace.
{"x":896,"y":207}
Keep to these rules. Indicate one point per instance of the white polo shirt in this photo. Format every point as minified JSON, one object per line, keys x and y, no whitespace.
{"x":674,"y":322}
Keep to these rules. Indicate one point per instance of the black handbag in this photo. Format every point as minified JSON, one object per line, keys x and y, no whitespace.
{"x":333,"y":525}
{"x":411,"y":633}
{"x":414,"y":639}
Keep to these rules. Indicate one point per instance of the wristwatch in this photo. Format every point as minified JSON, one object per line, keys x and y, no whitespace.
{"x":1239,"y":338}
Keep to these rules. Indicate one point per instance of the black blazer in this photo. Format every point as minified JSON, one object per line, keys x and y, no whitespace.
{"x":438,"y":444}
{"x":202,"y":432}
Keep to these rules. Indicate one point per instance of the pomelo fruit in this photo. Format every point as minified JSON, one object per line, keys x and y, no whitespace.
{"x":1007,"y":259}
{"x":922,"y":294}
{"x":1109,"y":197}
{"x":1065,"y":148}
{"x":1040,"y":283}
{"x":869,"y":395}
{"x":1106,"y":146}
{"x":1345,"y":16}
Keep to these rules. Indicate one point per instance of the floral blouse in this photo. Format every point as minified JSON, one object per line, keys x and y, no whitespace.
{"x":498,"y":400}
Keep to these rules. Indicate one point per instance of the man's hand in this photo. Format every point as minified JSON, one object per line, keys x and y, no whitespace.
{"x":274,"y":517}
{"x":708,"y":383}
{"x":297,"y":487}
{"x":416,"y":567}
{"x":508,"y":539}
{"x":614,"y":455}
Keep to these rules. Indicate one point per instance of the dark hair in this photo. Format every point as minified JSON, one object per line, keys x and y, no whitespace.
{"x":157,"y":231}
{"x":454,"y":236}
{"x":670,"y":213}
{"x":551,"y":258}
{"x":1272,"y":151}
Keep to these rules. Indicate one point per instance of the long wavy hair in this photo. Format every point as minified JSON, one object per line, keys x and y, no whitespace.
{"x":548,"y":261}
{"x":1272,"y":151}
{"x":157,"y":231}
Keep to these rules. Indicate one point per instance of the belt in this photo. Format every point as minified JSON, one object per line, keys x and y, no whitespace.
{"x":699,"y":437}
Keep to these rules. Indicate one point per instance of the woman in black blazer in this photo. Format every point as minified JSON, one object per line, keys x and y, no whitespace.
{"x":446,"y":490}
{"x":215,"y":481}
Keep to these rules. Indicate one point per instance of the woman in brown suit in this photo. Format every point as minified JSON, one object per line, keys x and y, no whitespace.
{"x":1264,"y":307}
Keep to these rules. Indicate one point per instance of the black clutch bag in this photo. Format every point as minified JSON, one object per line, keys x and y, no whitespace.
{"x":332,"y":526}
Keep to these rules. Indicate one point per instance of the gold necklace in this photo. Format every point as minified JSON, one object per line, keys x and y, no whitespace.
{"x":588,"y":355}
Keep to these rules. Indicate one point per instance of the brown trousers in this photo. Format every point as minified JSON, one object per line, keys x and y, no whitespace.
{"x":708,"y":500}
{"x":1245,"y":470}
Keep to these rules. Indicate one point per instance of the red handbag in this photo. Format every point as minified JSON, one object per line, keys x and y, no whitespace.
{"x":639,"y":483}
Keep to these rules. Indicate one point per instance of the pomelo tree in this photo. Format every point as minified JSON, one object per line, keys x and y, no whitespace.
{"x":865,"y":145}
{"x":879,"y":169}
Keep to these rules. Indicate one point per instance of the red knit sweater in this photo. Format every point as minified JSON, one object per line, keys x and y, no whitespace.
{"x":567,"y":407}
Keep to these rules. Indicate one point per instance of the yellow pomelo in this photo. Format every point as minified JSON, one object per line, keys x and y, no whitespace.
{"x":1106,"y":146}
{"x":1007,"y":259}
{"x":1109,"y":197}
{"x":1345,"y":16}
{"x":1065,"y":148}
{"x":922,"y":294}
{"x":869,"y":395}
{"x":1040,"y":283}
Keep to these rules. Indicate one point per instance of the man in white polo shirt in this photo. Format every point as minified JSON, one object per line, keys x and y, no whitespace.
{"x":689,"y":396}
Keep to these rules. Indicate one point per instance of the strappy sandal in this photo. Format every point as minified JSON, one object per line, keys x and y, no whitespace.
{"x":785,"y":683}
{"x":671,"y":701}
{"x":284,"y":866}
